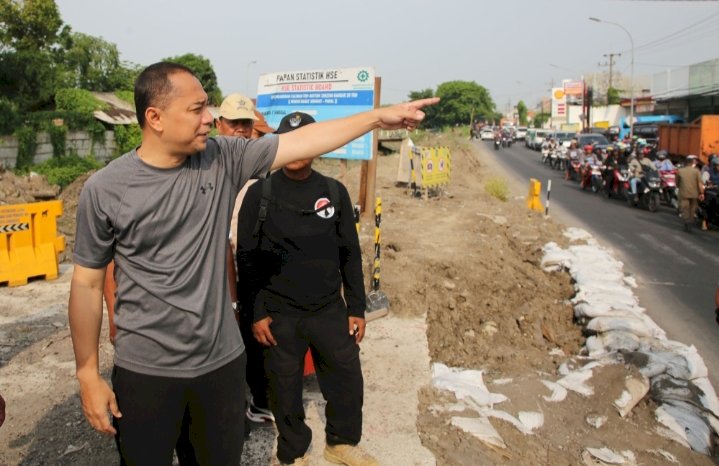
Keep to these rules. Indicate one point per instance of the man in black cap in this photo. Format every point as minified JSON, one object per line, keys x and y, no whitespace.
{"x":298,"y":247}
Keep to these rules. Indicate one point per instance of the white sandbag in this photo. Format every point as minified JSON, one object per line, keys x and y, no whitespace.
{"x":467,"y":386}
{"x":531,"y":419}
{"x":635,"y":388}
{"x":687,"y":426}
{"x":627,"y":324}
{"x":575,"y":381}
{"x":664,"y":455}
{"x":619,"y":340}
{"x":678,"y":365}
{"x":559,"y":393}
{"x":607,"y":456}
{"x":529,"y":422}
{"x":481,"y":428}
{"x":595,"y":346}
{"x":709,"y":397}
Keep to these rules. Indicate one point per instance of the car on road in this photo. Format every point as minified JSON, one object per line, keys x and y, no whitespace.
{"x":564,"y":137}
{"x":592,"y":139}
{"x":538,"y":138}
{"x":486,"y":133}
{"x":521,"y":133}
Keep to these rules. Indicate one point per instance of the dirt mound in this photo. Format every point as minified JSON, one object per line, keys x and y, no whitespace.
{"x":23,"y":189}
{"x":66,"y":223}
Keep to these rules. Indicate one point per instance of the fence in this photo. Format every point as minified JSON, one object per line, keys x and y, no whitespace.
{"x":79,"y":142}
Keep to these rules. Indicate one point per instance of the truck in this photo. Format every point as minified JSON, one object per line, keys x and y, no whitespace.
{"x":700,"y":138}
{"x":645,"y":126}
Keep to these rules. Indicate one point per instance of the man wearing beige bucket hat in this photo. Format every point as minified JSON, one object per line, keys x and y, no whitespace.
{"x":237,"y":116}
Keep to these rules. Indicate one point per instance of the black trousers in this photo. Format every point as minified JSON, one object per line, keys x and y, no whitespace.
{"x":336,"y":358}
{"x":256,"y":376}
{"x":153,"y":409}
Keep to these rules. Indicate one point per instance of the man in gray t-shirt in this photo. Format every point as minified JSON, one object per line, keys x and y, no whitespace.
{"x":162,"y":212}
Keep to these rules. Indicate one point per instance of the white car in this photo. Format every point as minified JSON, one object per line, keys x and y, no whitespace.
{"x":486,"y":134}
{"x":521,"y":133}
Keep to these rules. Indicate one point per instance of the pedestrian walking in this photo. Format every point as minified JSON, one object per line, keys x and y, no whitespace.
{"x":691,"y":190}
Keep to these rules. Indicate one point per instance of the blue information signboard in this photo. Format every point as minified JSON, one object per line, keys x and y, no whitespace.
{"x":324,"y":94}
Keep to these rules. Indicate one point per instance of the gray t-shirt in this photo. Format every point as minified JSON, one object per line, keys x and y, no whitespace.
{"x":167,"y":231}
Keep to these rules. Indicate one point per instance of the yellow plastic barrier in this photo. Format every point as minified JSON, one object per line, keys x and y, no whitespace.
{"x":29,"y":243}
{"x":535,"y":190}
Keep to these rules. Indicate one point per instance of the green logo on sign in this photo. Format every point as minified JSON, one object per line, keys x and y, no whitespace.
{"x":363,"y":76}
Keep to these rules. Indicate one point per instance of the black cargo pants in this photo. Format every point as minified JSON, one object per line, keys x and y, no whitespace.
{"x":336,"y":358}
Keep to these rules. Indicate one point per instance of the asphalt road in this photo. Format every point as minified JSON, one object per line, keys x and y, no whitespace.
{"x":677,"y":272}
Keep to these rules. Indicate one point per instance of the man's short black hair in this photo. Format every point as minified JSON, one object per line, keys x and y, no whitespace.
{"x":153,"y":86}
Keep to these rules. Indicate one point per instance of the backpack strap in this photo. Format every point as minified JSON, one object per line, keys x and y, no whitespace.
{"x":264,"y":204}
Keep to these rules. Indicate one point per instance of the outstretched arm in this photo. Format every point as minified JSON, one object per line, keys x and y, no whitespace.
{"x":320,"y":138}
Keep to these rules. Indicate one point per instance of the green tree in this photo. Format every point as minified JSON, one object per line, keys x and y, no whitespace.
{"x":540,"y":119}
{"x":522,"y":112}
{"x":32,"y":36}
{"x":94,"y":64}
{"x":613,"y":96}
{"x":202,"y":67}
{"x":461,"y":100}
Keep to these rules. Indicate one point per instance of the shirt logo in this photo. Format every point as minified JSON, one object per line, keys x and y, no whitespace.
{"x":327,"y":212}
{"x":207,"y":187}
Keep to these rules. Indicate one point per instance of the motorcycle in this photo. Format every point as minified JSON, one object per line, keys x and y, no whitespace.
{"x":592,"y":177}
{"x":560,"y":159}
{"x":669,"y":190}
{"x":616,"y":182}
{"x":708,"y":209}
{"x":497,"y":143}
{"x":574,"y":170}
{"x":546,"y":155}
{"x":648,"y":191}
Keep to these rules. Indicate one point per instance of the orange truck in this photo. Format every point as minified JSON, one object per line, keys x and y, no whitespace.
{"x":700,"y":137}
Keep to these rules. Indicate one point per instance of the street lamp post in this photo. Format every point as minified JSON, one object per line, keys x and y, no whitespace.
{"x":631,"y":80}
{"x":247,"y":76}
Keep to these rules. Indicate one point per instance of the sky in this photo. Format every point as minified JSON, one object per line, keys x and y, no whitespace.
{"x":515,"y":48}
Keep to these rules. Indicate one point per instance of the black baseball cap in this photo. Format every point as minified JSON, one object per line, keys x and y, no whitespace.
{"x":292,"y":121}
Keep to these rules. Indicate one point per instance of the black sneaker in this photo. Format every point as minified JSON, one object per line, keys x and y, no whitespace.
{"x":256,"y":414}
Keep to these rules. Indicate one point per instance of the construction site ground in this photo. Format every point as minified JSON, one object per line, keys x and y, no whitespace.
{"x":462,"y":272}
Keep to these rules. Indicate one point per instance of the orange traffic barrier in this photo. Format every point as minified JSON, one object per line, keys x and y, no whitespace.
{"x":29,"y":243}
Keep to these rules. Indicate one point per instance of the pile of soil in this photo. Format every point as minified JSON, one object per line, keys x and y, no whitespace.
{"x":465,"y":260}
{"x":16,"y":189}
{"x":66,"y":223}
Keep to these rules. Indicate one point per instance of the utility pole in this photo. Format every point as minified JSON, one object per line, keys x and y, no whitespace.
{"x":610,"y":64}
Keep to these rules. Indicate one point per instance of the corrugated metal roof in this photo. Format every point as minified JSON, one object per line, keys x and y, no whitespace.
{"x":118,"y":112}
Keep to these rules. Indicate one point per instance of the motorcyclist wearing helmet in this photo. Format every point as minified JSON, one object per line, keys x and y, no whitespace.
{"x":711,"y":175}
{"x":637,"y":166}
{"x":611,"y":163}
{"x":662,"y":162}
